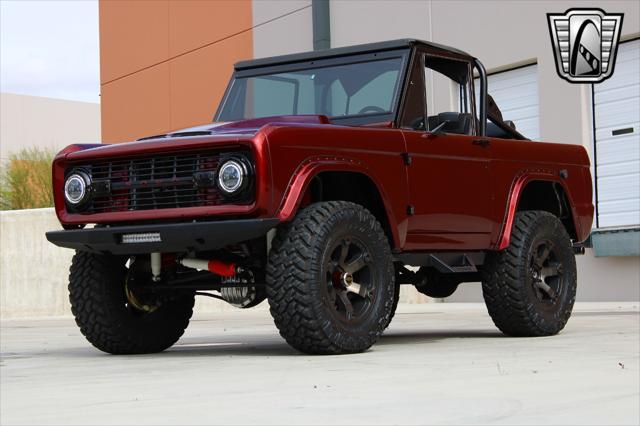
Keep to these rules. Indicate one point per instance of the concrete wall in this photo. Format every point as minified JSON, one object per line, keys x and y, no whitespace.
{"x":600,"y":279}
{"x":34,"y":273}
{"x":33,"y":121}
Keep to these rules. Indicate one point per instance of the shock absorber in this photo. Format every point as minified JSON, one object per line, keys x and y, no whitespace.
{"x":237,"y":283}
{"x":214,"y":266}
{"x":156,"y":266}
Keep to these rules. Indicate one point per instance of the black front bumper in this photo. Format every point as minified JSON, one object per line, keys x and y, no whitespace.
{"x":173,"y":238}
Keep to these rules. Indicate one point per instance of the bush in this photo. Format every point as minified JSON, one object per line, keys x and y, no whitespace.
{"x":25,"y":181}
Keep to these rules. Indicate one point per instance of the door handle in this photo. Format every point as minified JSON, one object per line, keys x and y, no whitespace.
{"x":484,"y":143}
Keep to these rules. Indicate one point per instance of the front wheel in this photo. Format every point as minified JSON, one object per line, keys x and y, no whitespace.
{"x":330,"y":279}
{"x":115,"y":314}
{"x":530,"y":287}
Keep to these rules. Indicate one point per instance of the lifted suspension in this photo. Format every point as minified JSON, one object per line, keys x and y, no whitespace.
{"x":214,"y":266}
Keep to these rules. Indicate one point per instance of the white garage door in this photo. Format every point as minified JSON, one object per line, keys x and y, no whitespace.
{"x":516,"y":93}
{"x":617,"y":141}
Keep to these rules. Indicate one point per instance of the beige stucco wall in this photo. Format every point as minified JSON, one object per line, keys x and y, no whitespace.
{"x":504,"y":34}
{"x":281,"y":27}
{"x":33,"y":121}
{"x":500,"y":33}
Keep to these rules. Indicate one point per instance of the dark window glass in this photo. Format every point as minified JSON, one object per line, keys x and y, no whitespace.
{"x":365,"y":88}
{"x":448,"y":95}
{"x":414,"y":108}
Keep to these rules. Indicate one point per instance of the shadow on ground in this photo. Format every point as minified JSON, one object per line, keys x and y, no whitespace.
{"x":248,"y":345}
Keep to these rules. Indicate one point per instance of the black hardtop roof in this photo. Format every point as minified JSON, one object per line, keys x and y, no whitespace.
{"x":346,"y":51}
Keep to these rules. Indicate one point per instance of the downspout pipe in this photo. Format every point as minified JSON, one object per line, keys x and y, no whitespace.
{"x":321,"y":19}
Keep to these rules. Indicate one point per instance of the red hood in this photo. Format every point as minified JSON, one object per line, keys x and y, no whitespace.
{"x":229,"y":133}
{"x":242,"y":126}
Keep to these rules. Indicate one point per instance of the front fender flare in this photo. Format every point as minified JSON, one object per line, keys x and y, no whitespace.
{"x":311,"y":167}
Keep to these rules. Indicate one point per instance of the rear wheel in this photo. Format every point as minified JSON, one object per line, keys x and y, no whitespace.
{"x":530,"y":287}
{"x":330,"y":279}
{"x":115,"y":314}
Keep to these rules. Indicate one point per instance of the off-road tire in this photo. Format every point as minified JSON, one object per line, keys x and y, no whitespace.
{"x":507,"y":279}
{"x":296,"y":278}
{"x":98,"y":303}
{"x":394,"y":307}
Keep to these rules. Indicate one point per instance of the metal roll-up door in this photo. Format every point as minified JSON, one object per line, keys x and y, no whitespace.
{"x":516,"y":94}
{"x":616,"y":106}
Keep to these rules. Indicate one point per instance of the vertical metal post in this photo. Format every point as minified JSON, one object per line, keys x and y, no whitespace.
{"x":321,"y":24}
{"x":482,"y":74}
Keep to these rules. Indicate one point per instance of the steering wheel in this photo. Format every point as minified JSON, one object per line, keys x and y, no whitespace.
{"x":371,"y":108}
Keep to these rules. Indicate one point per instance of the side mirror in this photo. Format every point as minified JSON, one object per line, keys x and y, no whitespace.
{"x":437,"y":131}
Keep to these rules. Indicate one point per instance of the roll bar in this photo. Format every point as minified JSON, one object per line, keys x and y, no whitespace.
{"x":482,"y":114}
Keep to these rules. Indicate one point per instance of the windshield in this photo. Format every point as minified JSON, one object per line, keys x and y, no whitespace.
{"x":338,"y":91}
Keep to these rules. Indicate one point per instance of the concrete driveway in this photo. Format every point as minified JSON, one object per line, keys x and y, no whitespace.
{"x":437,"y":364}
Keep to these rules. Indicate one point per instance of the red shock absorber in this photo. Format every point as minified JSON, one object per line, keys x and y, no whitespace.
{"x":214,"y":266}
{"x":221,"y":268}
{"x":168,"y":259}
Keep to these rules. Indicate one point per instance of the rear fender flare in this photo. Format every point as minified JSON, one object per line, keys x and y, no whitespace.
{"x":518,"y":185}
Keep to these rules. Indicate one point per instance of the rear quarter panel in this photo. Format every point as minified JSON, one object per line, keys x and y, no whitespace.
{"x":515,"y":163}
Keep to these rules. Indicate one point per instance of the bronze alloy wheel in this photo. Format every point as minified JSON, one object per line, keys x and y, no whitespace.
{"x":546,"y":271}
{"x":139,"y":300}
{"x":330,"y":279}
{"x":530,"y":287}
{"x":350,"y":280}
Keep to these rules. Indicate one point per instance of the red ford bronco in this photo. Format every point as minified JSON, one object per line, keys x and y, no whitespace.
{"x":323,"y":178}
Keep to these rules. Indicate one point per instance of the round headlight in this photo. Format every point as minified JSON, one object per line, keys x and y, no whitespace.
{"x":231,"y":176}
{"x":75,"y":189}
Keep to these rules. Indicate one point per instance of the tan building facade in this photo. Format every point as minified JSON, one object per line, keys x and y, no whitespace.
{"x":164,"y":64}
{"x":46,"y":123}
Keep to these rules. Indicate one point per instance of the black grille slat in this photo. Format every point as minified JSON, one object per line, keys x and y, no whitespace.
{"x":164,"y":157}
{"x":175,"y":162}
{"x":153,"y":182}
{"x":153,"y":174}
{"x":173,"y":197}
{"x":158,"y":195}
